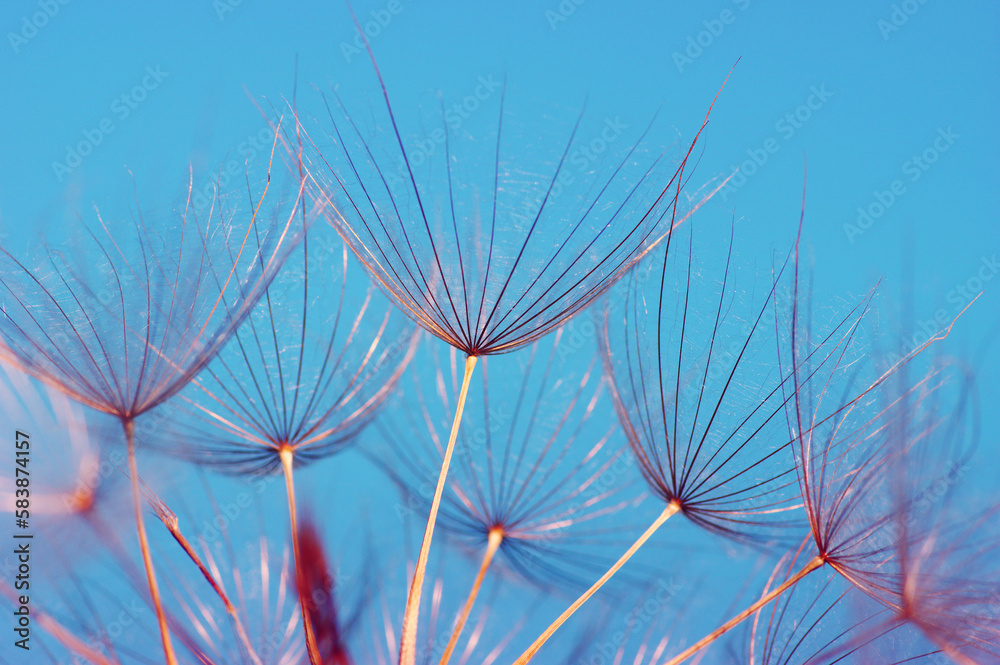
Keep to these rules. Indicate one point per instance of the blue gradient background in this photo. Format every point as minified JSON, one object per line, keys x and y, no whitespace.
{"x":892,"y":91}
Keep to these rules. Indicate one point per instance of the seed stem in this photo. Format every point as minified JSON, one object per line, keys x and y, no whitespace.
{"x":70,"y":641}
{"x":408,"y":642}
{"x":492,"y":545}
{"x":286,"y":454}
{"x":147,"y":559}
{"x":814,"y":563}
{"x":669,"y":511}
{"x":175,"y":531}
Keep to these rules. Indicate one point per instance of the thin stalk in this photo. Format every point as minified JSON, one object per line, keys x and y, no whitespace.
{"x":814,"y":563}
{"x":667,"y":513}
{"x":216,"y":586}
{"x":286,"y":454}
{"x":950,"y":651}
{"x":492,"y":545}
{"x":147,"y":559}
{"x":70,"y":641}
{"x":408,"y":641}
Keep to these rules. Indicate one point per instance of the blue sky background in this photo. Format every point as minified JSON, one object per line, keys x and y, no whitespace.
{"x":892,"y":91}
{"x":899,"y":80}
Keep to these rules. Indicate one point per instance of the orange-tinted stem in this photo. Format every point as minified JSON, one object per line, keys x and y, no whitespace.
{"x":492,"y":545}
{"x":147,"y":559}
{"x":312,"y":649}
{"x":667,"y":513}
{"x":813,"y":564}
{"x":175,"y":531}
{"x":408,"y":642}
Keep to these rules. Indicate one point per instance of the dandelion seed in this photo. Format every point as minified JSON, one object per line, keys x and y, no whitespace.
{"x":845,"y":455}
{"x":826,"y":620}
{"x":489,"y":294}
{"x":124,"y":327}
{"x":708,"y":432}
{"x":540,"y":479}
{"x":299,"y":381}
